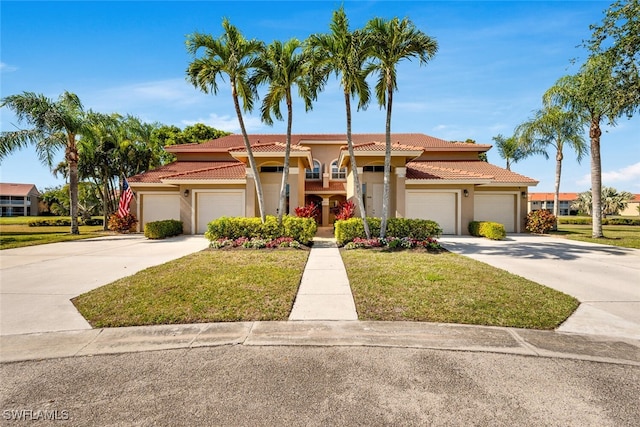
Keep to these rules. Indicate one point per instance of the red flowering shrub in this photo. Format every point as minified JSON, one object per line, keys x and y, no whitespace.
{"x":309,"y":211}
{"x":122,"y":225}
{"x":346,"y":210}
{"x":540,"y":222}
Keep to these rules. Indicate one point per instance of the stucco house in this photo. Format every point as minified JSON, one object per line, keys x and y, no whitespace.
{"x":430,"y":178}
{"x":18,"y":199}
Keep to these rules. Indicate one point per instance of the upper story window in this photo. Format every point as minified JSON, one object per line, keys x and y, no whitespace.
{"x":313,"y":174}
{"x":272,"y":169}
{"x":374,"y":168}
{"x":336,"y":172}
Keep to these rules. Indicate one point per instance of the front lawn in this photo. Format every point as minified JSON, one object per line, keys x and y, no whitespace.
{"x":208,"y":286}
{"x":16,"y":233}
{"x":449,"y":288}
{"x":627,"y":236}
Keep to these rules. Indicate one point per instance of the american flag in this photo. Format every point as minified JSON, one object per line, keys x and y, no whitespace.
{"x":125,"y":200}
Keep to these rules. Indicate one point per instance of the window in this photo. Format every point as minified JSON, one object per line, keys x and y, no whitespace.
{"x":375,"y":168}
{"x":313,"y":174}
{"x":268,"y":169}
{"x":338,"y":173}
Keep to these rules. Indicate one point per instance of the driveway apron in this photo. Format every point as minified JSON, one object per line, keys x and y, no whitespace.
{"x":37,"y":282}
{"x":605,"y":279}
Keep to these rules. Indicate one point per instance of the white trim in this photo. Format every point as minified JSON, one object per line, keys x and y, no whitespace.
{"x":155,"y":193}
{"x":194,"y":207}
{"x":149,"y":184}
{"x":458,"y":207}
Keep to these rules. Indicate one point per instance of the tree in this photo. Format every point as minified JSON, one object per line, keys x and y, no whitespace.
{"x":281,"y":66}
{"x":552,"y":126}
{"x":510,"y":149}
{"x":53,"y":125}
{"x":612,"y":201}
{"x":235,"y":56}
{"x":200,"y":132}
{"x":344,"y":53}
{"x":393,"y":41}
{"x":594,"y":93}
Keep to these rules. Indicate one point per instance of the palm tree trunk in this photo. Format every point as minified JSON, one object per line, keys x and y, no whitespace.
{"x":72,"y":160}
{"x":596,"y":179}
{"x":556,"y":194}
{"x":252,"y":160}
{"x":354,"y":169}
{"x":287,"y":154}
{"x":386,"y":196}
{"x":105,"y":200}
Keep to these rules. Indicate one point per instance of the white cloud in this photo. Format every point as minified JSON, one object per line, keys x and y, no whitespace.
{"x":227,"y":123}
{"x":628,"y":174}
{"x":6,"y":68}
{"x":168,"y":92}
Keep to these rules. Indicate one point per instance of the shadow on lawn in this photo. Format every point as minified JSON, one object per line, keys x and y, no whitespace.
{"x":528,"y":249}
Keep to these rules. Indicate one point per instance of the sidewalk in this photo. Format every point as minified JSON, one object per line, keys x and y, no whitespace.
{"x":324,"y":292}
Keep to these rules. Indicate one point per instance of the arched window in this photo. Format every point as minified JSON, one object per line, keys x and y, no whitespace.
{"x":313,"y":174}
{"x":336,"y":172}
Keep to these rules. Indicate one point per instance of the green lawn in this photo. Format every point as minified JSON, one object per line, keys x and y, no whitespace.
{"x":208,"y":286}
{"x":449,"y":288}
{"x":15,"y":232}
{"x":627,"y":236}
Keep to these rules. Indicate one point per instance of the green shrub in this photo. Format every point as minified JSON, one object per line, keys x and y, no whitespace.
{"x":300,"y":229}
{"x":488,"y":229}
{"x":162,"y":229}
{"x":122,"y":225}
{"x":540,"y":222}
{"x":64,"y":222}
{"x":621,"y":221}
{"x":418,"y":229}
{"x":586,"y":220}
{"x":577,"y":220}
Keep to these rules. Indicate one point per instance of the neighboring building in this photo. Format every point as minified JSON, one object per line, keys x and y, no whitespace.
{"x":430,"y":178}
{"x":18,"y":199}
{"x":632,"y":207}
{"x":538,"y":201}
{"x":544,"y":201}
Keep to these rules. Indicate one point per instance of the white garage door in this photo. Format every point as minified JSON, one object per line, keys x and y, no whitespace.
{"x":214,"y":205}
{"x":497,"y":208}
{"x":157,"y":207}
{"x":438,"y":207}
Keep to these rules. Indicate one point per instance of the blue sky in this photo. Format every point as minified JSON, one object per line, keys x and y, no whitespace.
{"x":495,"y":60}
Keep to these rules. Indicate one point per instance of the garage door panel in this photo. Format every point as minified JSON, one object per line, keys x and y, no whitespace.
{"x":158,"y":207}
{"x":438,"y":207}
{"x":497,"y":208}
{"x":211,"y":206}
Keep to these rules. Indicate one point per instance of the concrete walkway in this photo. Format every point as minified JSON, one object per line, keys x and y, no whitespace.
{"x":324,"y":292}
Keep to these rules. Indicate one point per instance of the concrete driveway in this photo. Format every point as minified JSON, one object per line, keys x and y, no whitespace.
{"x":605,"y":279}
{"x":37,"y":282}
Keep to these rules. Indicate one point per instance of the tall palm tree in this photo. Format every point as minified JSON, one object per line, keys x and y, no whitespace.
{"x":392,"y":41}
{"x":510,"y":149}
{"x":595,"y":94}
{"x":53,"y":125}
{"x":235,"y":56}
{"x":344,"y":53}
{"x":553,"y":126}
{"x":281,"y":66}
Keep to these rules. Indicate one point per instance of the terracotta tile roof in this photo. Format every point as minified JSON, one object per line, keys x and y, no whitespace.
{"x":464,"y":170}
{"x":270,"y":147}
{"x":542,"y":197}
{"x":11,"y":189}
{"x":191,"y":171}
{"x":418,"y":140}
{"x":380,"y":147}
{"x":316,"y":186}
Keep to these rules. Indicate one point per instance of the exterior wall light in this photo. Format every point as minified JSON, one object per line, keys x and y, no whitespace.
{"x":186,"y":193}
{"x":524,"y":194}
{"x":465,"y":192}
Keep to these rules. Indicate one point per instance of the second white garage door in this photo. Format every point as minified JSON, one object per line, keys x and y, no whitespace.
{"x":436,"y":206}
{"x":213,"y":205}
{"x":497,"y":208}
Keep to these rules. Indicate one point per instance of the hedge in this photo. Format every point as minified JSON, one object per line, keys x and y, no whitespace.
{"x":64,"y":222}
{"x":419,"y":229}
{"x":586,"y":220}
{"x":162,"y":229}
{"x":488,"y":229}
{"x":301,"y":230}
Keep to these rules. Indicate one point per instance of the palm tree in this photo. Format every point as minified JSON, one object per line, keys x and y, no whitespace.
{"x":282,"y":66}
{"x":344,"y":54}
{"x":53,"y":125}
{"x":613,"y":201}
{"x":553,"y":126}
{"x":392,"y":41}
{"x":235,"y":56}
{"x":595,"y":94}
{"x":510,"y":149}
